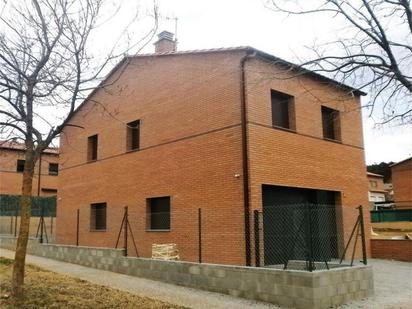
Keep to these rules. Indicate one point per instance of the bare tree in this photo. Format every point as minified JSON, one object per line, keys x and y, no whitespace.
{"x":46,"y":67}
{"x":373,"y":51}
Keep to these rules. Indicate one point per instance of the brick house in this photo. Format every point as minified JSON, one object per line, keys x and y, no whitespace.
{"x":402,"y":183}
{"x":224,"y":130}
{"x":12,"y":166}
{"x":376,"y":188}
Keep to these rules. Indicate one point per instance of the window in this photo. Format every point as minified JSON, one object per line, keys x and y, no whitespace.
{"x":330,"y":123}
{"x":20,"y":165}
{"x":92,"y":143}
{"x":49,"y":190}
{"x":53,"y":169}
{"x":282,"y":110}
{"x":98,"y":217}
{"x":133,"y":135}
{"x":158,"y":213}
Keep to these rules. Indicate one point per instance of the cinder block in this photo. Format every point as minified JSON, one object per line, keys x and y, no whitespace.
{"x":284,"y":301}
{"x":302,"y":303}
{"x":302,"y":281}
{"x":337,"y":300}
{"x":238,"y":293}
{"x":194,"y":270}
{"x":354,"y":286}
{"x":219,"y":273}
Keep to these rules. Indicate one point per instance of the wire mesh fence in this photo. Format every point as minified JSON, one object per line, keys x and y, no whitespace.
{"x":43,"y":216}
{"x":305,"y":237}
{"x":10,"y":205}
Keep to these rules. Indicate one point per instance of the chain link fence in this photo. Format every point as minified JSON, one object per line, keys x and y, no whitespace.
{"x":43,"y":215}
{"x":305,"y":237}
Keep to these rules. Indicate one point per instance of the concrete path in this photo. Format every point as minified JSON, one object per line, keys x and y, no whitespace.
{"x":170,"y":293}
{"x":393,"y":286}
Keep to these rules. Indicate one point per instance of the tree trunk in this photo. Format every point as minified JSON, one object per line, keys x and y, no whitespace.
{"x":25,"y":213}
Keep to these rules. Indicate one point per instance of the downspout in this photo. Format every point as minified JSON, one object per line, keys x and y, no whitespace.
{"x":245,"y":158}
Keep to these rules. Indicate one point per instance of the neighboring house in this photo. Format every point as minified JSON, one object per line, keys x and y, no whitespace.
{"x":225,"y":130}
{"x":12,"y":166}
{"x":402,"y":183}
{"x":389,"y":191}
{"x":376,"y":188}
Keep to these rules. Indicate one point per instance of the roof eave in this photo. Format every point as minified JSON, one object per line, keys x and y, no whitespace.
{"x":270,"y":57}
{"x":400,"y":162}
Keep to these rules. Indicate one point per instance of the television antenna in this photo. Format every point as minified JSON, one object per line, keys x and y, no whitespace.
{"x":175,"y":19}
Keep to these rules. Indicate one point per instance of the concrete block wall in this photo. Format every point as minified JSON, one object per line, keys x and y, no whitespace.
{"x":302,"y":290}
{"x":86,"y":256}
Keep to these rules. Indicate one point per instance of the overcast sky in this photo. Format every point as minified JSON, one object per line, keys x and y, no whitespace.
{"x":225,"y":23}
{"x":218,"y":23}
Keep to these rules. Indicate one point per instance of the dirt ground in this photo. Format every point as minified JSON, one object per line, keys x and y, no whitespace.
{"x":388,"y":230}
{"x":45,"y":289}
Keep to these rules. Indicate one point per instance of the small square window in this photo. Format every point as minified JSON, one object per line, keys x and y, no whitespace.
{"x":133,"y":135}
{"x":282,"y":110}
{"x":20,"y":166}
{"x":330,"y":123}
{"x":92,"y":143}
{"x":53,"y":169}
{"x":98,"y":217}
{"x":158,"y":213}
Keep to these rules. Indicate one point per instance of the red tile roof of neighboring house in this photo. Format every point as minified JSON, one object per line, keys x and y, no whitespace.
{"x":374,"y":175}
{"x":22,"y":147}
{"x":401,"y":162}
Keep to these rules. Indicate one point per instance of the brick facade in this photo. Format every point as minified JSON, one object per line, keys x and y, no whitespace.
{"x":392,"y":249}
{"x":376,"y":188}
{"x":402,"y":183}
{"x":11,"y":179}
{"x":189,"y":107}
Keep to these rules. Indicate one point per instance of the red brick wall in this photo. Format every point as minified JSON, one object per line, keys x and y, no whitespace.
{"x":379,"y":183}
{"x":11,"y":180}
{"x":402,"y":184}
{"x":392,"y":249}
{"x":190,"y":149}
{"x":303,"y":158}
{"x":189,"y":107}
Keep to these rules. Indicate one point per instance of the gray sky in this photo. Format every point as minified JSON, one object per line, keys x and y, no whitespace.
{"x":222,"y":23}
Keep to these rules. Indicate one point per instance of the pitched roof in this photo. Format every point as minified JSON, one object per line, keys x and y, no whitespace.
{"x":21,"y":147}
{"x":374,"y":175}
{"x":401,"y":162}
{"x":262,"y":54}
{"x":247,"y":49}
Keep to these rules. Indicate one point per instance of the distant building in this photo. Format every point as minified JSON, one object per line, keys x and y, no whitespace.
{"x":402,"y":183}
{"x":389,"y":191}
{"x":376,"y":188}
{"x":12,"y":166}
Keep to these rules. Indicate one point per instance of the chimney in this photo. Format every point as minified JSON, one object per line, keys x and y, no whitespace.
{"x":165,"y":43}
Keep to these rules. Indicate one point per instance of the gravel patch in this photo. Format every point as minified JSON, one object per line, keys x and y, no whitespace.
{"x":393,"y":287}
